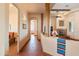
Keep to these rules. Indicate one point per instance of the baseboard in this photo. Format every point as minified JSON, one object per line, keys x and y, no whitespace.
{"x":7,"y":52}
{"x":24,"y":41}
{"x":50,"y":53}
{"x":69,"y":38}
{"x":24,"y":45}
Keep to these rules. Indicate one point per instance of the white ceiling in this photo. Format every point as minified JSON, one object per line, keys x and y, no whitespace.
{"x":70,"y":6}
{"x":63,"y":6}
{"x":40,"y":7}
{"x":32,"y":7}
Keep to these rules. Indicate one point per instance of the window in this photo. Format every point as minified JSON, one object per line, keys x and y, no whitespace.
{"x":70,"y":27}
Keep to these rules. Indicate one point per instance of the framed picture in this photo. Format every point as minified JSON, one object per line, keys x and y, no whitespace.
{"x":24,"y":26}
{"x":61,"y":23}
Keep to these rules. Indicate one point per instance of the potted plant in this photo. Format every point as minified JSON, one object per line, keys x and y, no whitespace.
{"x":61,"y":35}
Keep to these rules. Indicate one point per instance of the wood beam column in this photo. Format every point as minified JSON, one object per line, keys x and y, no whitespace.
{"x":47,"y":17}
{"x":41,"y":22}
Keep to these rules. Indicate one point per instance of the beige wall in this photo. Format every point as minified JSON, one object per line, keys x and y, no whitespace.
{"x":13,"y":18}
{"x":14,"y":21}
{"x":53,"y":22}
{"x":24,"y":33}
{"x":4,"y":23}
{"x":74,"y":18}
{"x":45,"y":24}
{"x":23,"y":20}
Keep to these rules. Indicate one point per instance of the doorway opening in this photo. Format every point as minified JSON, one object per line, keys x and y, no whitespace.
{"x":33,"y":30}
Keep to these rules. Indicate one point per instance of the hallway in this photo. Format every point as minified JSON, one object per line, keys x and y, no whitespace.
{"x":33,"y":48}
{"x":41,"y":37}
